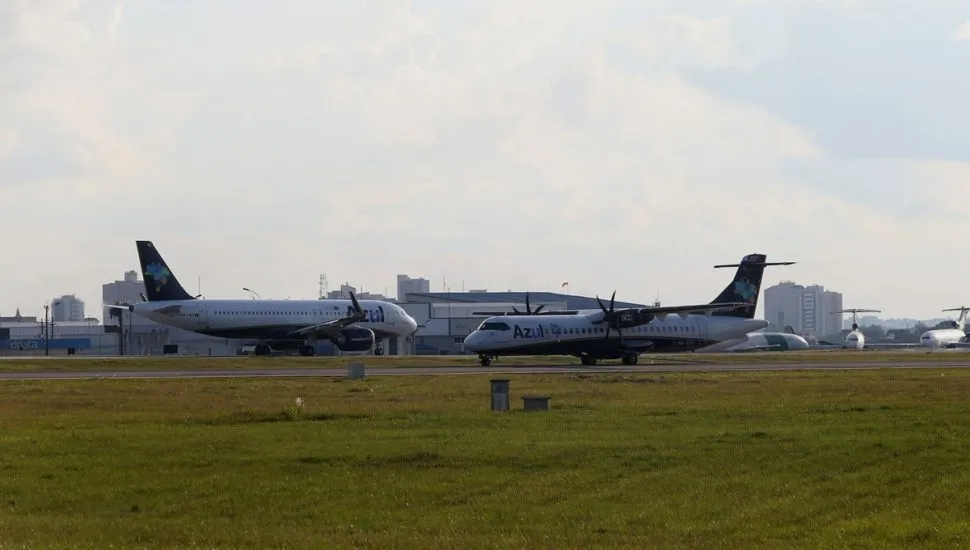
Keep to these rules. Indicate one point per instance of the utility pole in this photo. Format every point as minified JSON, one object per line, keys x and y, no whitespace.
{"x":47,"y":331}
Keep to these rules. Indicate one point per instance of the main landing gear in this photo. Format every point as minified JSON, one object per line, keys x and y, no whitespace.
{"x":379,"y":347}
{"x":484,"y":360}
{"x":306,"y":350}
{"x":629,"y":359}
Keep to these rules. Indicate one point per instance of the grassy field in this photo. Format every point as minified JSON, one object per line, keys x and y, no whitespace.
{"x":839,"y":459}
{"x":82,"y":363}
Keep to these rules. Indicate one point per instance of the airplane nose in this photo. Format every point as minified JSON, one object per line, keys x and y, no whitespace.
{"x":471,"y":341}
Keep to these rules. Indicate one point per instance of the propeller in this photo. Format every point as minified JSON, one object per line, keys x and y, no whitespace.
{"x":528,"y":307}
{"x":609,"y":316}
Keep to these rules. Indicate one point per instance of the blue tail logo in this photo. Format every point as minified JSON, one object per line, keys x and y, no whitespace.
{"x":159,"y":274}
{"x":747,"y":291}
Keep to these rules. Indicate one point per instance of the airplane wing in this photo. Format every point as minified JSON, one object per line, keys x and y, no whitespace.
{"x":630,"y":317}
{"x":330,"y":328}
{"x":891,"y":345}
{"x":684,"y":311}
{"x":766,"y":347}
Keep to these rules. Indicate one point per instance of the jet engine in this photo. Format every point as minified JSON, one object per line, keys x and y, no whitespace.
{"x":354,"y":338}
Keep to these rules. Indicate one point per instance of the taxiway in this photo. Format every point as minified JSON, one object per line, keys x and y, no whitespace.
{"x":472,"y":370}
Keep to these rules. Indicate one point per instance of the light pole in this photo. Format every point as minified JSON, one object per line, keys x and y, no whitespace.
{"x":47,"y":337}
{"x":47,"y":327}
{"x":254,"y":293}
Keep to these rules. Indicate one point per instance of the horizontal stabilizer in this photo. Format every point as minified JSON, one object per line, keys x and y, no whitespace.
{"x":763,"y":264}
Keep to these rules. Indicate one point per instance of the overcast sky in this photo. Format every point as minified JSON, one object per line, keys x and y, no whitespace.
{"x":505,"y":144}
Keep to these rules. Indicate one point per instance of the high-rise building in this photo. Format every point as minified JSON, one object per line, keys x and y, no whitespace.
{"x":67,"y":308}
{"x":347,"y":288}
{"x":808,"y":310}
{"x":127,"y":291}
{"x":406,"y":285}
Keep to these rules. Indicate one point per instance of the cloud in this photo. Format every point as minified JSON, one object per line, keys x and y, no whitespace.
{"x":962,"y":32}
{"x":508,"y":144}
{"x":858,"y":81}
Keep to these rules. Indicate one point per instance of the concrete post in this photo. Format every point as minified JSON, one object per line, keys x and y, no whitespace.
{"x":500,"y":394}
{"x":355,"y":371}
{"x":535,"y":403}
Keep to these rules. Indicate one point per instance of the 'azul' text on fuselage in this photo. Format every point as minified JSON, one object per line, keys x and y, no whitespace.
{"x":528,"y":332}
{"x":373,"y":315}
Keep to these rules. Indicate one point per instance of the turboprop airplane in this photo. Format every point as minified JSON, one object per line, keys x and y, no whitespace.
{"x":351,"y":325}
{"x":607,"y":333}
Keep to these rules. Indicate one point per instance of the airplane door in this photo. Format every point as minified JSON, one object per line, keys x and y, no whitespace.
{"x":702,"y":330}
{"x":202,"y":317}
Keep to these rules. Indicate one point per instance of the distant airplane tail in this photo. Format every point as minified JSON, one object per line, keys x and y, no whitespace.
{"x":961,"y":321}
{"x":746,"y":286}
{"x":160,"y":282}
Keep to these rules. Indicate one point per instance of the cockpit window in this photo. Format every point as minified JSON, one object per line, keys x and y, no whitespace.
{"x":494,"y":325}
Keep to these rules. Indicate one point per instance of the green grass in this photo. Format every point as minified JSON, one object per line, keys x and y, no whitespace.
{"x":81,"y":363}
{"x":839,"y":459}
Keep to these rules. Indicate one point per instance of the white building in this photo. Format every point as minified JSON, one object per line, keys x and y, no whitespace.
{"x":347,"y":288}
{"x":808,"y":310}
{"x":406,"y":285}
{"x":127,"y":291}
{"x":67,"y":308}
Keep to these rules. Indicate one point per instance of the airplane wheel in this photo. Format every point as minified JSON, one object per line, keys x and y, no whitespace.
{"x":630,"y":359}
{"x":587,"y":360}
{"x":485,"y":360}
{"x":307,"y":351}
{"x":261,"y":349}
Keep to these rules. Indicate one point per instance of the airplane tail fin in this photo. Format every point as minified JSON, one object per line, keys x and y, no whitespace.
{"x":746,"y":286}
{"x":160,"y":282}
{"x":962,"y":319}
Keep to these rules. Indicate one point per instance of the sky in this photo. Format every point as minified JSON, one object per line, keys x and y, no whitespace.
{"x":617,"y":145}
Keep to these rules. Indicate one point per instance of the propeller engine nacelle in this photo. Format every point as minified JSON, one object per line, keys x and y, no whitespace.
{"x":354,"y":338}
{"x":626,"y":319}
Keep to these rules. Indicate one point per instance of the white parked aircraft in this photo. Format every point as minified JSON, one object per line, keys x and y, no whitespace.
{"x":855,"y":339}
{"x":607,"y":333}
{"x":953,"y":337}
{"x":762,"y":341}
{"x":351,"y":325}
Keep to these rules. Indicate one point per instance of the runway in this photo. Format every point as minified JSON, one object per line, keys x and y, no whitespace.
{"x":472,"y":370}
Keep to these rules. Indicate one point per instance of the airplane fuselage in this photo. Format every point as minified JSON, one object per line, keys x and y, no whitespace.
{"x":272,"y":319}
{"x":578,"y":334}
{"x":940,"y":338}
{"x":855,"y":340}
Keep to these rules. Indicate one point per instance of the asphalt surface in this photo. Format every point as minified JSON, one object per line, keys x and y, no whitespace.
{"x":491,"y":370}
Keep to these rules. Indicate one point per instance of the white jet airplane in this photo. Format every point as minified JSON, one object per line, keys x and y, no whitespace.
{"x":953,"y":337}
{"x":351,"y":325}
